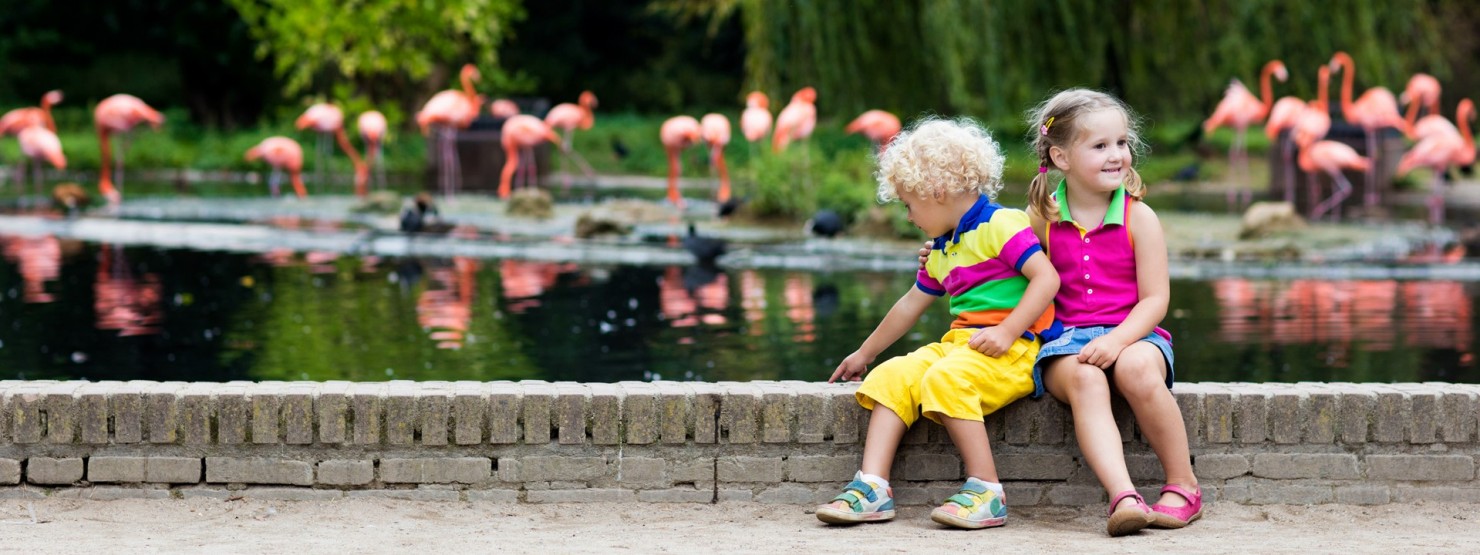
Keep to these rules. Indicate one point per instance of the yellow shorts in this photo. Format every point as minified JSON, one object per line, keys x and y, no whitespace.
{"x":950,"y":379}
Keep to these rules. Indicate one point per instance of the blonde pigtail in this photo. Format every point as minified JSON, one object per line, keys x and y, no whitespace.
{"x":1040,"y":195}
{"x":1134,"y":186}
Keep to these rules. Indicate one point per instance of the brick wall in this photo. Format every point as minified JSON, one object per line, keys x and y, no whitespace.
{"x":773,"y":442}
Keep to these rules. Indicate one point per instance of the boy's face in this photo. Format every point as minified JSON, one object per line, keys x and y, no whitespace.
{"x":1100,"y":156}
{"x":930,"y":213}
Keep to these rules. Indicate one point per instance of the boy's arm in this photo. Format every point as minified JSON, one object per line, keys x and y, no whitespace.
{"x":1043,"y":284}
{"x":901,"y":318}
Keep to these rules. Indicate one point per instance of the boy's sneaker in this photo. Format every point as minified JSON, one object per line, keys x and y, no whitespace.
{"x":973,"y":507}
{"x":860,"y":502}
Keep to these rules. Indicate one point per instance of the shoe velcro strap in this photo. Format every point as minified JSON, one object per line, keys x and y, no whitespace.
{"x":966,"y":499}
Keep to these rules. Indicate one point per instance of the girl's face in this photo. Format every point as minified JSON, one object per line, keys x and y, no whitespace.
{"x":928,"y":213}
{"x":1100,"y":157}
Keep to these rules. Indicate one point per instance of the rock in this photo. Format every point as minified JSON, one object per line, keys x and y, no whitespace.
{"x":531,"y":203}
{"x":1263,"y":219}
{"x":378,"y":202}
{"x":590,"y":224}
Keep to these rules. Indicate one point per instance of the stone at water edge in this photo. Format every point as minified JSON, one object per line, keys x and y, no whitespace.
{"x":531,"y":203}
{"x":1263,"y":219}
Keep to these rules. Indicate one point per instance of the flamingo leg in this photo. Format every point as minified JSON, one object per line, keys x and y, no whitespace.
{"x":1371,"y":198}
{"x":123,"y":145}
{"x":321,"y":151}
{"x":449,"y":162}
{"x":1287,"y":151}
{"x":1436,"y":197}
{"x":274,"y":182}
{"x":567,"y":151}
{"x":456,"y":183}
{"x":1340,"y":189}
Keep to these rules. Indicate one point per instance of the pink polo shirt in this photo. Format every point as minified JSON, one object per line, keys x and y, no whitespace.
{"x":1097,"y":267}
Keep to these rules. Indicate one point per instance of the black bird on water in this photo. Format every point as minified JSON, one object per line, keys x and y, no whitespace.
{"x":826,"y":223}
{"x":420,"y":215}
{"x":704,"y":249}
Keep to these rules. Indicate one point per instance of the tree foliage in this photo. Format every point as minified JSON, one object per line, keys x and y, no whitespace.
{"x":384,"y":48}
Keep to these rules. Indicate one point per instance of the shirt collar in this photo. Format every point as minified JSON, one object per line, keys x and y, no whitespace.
{"x":1114,"y":215}
{"x":968,"y":221}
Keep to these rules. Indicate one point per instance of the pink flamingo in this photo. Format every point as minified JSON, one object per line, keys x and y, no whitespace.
{"x":520,"y":134}
{"x":755,"y":121}
{"x":20,"y":118}
{"x":1239,"y":109}
{"x":1376,"y":109}
{"x":1331,"y":157}
{"x":328,"y":120}
{"x":39,"y":143}
{"x":281,"y":153}
{"x":568,"y":117}
{"x":449,"y":111}
{"x":1439,"y":152}
{"x":796,"y":120}
{"x":119,"y":113}
{"x":715,"y":129}
{"x":677,"y":134}
{"x":503,"y":108}
{"x":1422,"y":91}
{"x":879,"y":126}
{"x":1285,"y":114}
{"x":372,"y":128}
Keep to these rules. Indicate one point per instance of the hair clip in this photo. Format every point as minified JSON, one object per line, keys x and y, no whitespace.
{"x":1044,"y":128}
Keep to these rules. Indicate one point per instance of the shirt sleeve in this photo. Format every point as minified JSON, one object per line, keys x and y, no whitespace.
{"x":1020,"y":242}
{"x":927,"y":283}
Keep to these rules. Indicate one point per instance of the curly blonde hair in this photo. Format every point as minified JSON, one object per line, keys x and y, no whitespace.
{"x":936,"y":155}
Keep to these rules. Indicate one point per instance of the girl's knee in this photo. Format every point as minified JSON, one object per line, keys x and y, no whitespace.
{"x":1139,"y":373}
{"x":1080,"y":380}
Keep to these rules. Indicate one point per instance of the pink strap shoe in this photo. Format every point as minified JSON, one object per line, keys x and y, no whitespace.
{"x":1128,"y":519}
{"x":1177,"y":517}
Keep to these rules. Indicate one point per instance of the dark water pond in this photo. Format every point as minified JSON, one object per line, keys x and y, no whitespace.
{"x":102,"y":312}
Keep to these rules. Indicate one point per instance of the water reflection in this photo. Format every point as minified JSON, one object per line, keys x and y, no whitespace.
{"x":102,"y":312}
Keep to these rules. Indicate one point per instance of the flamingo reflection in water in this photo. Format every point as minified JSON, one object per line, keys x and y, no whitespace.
{"x":39,"y":260}
{"x":445,"y":309}
{"x":523,"y":281}
{"x":799,"y":308}
{"x":123,"y":302}
{"x":753,"y":301}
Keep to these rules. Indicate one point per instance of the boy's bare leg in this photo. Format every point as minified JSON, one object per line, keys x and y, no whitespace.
{"x":970,"y":437}
{"x":885,"y":429}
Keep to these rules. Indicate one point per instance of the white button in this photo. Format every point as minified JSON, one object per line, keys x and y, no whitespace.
{"x":1086,"y":239}
{"x":1086,"y":276}
{"x":1086,"y":257}
{"x":1091,"y":291}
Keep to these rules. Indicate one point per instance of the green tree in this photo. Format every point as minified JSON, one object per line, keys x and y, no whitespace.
{"x":383,"y":49}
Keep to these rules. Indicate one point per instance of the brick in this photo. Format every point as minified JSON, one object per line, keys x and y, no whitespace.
{"x":292,"y":494}
{"x":367,"y":406}
{"x":737,"y":495}
{"x":258,"y":470}
{"x":697,"y":471}
{"x":435,"y":495}
{"x":640,"y":412}
{"x":1461,"y":413}
{"x":561,"y":468}
{"x":1019,"y":422}
{"x":266,"y":406}
{"x":1144,"y":467}
{"x":1274,"y":492}
{"x":25,"y":407}
{"x":1457,"y":468}
{"x":917,"y":434}
{"x":1363,"y":494}
{"x":505,"y":407}
{"x":172,"y":470}
{"x":1390,"y":420}
{"x":739,"y":410}
{"x":677,"y":495}
{"x":536,"y":407}
{"x":843,"y":405}
{"x":930,"y":466}
{"x":233,"y":414}
{"x":1357,"y":408}
{"x":126,"y":405}
{"x":1076,"y":495}
{"x":571,"y":413}
{"x":1251,"y":426}
{"x":1286,"y":424}
{"x":1220,"y":466}
{"x":1191,"y":405}
{"x":435,"y":406}
{"x":92,"y":404}
{"x":1218,"y":410}
{"x":930,"y":494}
{"x":674,"y":402}
{"x":1304,"y":465}
{"x":115,"y":469}
{"x":401,"y":415}
{"x":1125,"y":420}
{"x":507,"y":469}
{"x":5,"y":387}
{"x":1023,"y":494}
{"x":1322,"y":417}
{"x":1435,"y":494}
{"x":777,"y":411}
{"x":493,"y":496}
{"x":471,"y":412}
{"x":581,"y":496}
{"x":641,"y":472}
{"x":465,"y":470}
{"x":50,"y":471}
{"x":10,"y":471}
{"x":794,"y":494}
{"x":1034,"y":466}
{"x":1424,"y":417}
{"x":346,"y":472}
{"x":332,"y":407}
{"x":749,"y":469}
{"x":61,"y":412}
{"x":821,"y":468}
{"x":813,"y":413}
{"x":606,"y":414}
{"x":196,"y":414}
{"x":298,"y":414}
{"x":706,"y":407}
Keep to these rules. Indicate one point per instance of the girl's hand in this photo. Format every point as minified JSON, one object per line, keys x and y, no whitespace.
{"x":1102,"y":351}
{"x":925,"y":253}
{"x":852,"y":368}
{"x":993,"y":341}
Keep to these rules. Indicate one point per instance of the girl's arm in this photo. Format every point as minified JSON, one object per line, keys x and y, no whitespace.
{"x":1152,"y":283}
{"x":901,"y":318}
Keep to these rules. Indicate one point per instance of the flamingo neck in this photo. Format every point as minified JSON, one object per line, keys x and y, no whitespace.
{"x":1266,"y":91}
{"x":105,"y":175}
{"x":1466,"y":111}
{"x":467,"y":86}
{"x":1347,"y":79}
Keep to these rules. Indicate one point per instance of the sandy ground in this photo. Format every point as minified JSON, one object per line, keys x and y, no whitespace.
{"x":387,"y":526}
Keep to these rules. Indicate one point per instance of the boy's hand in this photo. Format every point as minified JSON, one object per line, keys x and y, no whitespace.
{"x":993,"y":341}
{"x":925,"y":253}
{"x":852,"y":368}
{"x":1102,"y":351}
